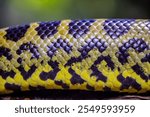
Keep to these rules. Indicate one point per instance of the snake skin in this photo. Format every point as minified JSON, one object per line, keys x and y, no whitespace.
{"x":91,"y":54}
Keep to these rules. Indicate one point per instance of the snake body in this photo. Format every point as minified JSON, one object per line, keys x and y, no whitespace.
{"x":91,"y":54}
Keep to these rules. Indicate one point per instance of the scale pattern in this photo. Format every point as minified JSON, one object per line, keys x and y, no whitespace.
{"x":91,"y":54}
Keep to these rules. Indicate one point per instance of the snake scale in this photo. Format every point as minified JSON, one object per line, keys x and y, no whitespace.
{"x":90,"y":54}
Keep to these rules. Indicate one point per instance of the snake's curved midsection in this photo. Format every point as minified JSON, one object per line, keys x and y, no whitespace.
{"x":93,"y":54}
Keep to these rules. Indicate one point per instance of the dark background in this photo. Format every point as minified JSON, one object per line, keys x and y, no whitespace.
{"x":14,"y":12}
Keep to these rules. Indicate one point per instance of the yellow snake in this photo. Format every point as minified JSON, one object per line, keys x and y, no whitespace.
{"x":91,"y":54}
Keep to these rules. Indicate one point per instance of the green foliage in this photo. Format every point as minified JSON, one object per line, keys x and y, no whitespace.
{"x":41,"y":9}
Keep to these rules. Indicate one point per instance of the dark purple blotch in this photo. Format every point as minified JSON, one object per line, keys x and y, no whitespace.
{"x":5,"y":74}
{"x":117,"y":27}
{"x":139,"y":70}
{"x":27,"y":74}
{"x":146,"y":58}
{"x":75,"y":79}
{"x":138,"y":45}
{"x":47,"y":29}
{"x":51,"y":74}
{"x":32,"y":48}
{"x":128,"y":82}
{"x":60,"y":43}
{"x":62,"y":84}
{"x":5,"y":52}
{"x":13,"y":87}
{"x":92,"y":43}
{"x":15,"y":33}
{"x":77,"y":28}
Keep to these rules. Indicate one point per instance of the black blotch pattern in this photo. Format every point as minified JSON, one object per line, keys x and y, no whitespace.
{"x":13,"y":87}
{"x":98,"y":74}
{"x":137,"y":44}
{"x":74,"y":60}
{"x":128,"y":82}
{"x":107,"y":89}
{"x":60,"y":43}
{"x":28,"y":47}
{"x":146,"y":58}
{"x":47,"y":29}
{"x":17,"y":32}
{"x":51,"y":74}
{"x":64,"y":85}
{"x":5,"y":52}
{"x":19,"y":60}
{"x":117,"y":27}
{"x":75,"y":79}
{"x":109,"y":62}
{"x":27,"y":74}
{"x":90,"y":87}
{"x":5,"y":74}
{"x":90,"y":44}
{"x":107,"y":59}
{"x":36,"y":88}
{"x":77,"y":28}
{"x":140,"y":72}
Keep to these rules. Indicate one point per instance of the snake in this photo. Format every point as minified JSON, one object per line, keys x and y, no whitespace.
{"x":83,"y":54}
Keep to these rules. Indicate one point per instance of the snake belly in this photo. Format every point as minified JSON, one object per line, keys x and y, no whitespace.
{"x":91,"y":54}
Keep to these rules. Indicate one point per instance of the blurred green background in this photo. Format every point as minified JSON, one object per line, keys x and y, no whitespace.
{"x":14,"y":12}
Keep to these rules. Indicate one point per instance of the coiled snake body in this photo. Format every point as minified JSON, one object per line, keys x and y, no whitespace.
{"x":92,"y":54}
